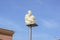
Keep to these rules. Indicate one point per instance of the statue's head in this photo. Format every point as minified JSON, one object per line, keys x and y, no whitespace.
{"x":29,"y":12}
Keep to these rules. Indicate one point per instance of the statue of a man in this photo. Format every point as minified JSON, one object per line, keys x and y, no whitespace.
{"x":29,"y":18}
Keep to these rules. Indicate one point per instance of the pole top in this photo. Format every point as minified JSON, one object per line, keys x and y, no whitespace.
{"x":32,"y":25}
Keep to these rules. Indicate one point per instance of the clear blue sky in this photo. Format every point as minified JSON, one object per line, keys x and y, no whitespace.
{"x":46,"y":12}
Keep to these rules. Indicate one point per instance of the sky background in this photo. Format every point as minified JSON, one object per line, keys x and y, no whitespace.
{"x":46,"y":12}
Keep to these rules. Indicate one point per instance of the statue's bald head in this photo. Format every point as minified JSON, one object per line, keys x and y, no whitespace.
{"x":29,"y":12}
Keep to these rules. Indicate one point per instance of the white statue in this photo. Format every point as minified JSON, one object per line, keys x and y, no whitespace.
{"x":29,"y":18}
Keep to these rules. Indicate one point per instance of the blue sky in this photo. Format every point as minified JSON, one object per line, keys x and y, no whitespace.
{"x":46,"y":12}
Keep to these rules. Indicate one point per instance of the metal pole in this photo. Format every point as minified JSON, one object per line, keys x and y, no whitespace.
{"x":30,"y":33}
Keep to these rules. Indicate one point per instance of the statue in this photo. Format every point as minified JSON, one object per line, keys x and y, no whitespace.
{"x":29,"y":18}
